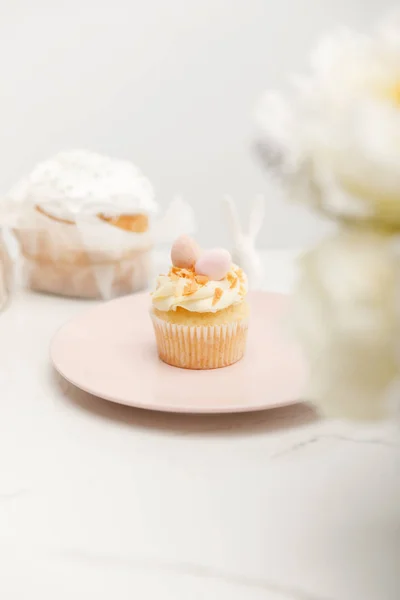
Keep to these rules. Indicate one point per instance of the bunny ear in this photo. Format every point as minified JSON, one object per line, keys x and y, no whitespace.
{"x":257,"y":215}
{"x":232,"y":217}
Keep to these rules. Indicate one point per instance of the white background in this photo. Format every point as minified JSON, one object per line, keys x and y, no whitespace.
{"x":170,"y":84}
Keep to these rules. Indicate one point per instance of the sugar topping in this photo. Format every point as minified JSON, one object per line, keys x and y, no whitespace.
{"x":217,"y":295}
{"x":80,"y":179}
{"x":182,"y":287}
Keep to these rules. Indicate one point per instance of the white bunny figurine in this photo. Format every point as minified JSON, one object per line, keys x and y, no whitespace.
{"x":244,"y":252}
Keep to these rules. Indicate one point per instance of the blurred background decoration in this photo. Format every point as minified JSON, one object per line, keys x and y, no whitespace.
{"x":6,"y":272}
{"x":170,"y":85}
{"x":333,"y":140}
{"x":244,"y":239}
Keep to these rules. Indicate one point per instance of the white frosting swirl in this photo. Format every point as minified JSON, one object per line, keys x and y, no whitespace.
{"x":83,"y":182}
{"x":170,"y":293}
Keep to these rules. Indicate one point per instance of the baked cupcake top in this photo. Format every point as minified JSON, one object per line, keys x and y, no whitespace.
{"x":199,"y":281}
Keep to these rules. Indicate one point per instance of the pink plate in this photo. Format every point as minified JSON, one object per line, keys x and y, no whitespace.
{"x":110,"y":351}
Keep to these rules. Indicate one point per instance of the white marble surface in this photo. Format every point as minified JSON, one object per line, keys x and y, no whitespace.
{"x":103,"y":501}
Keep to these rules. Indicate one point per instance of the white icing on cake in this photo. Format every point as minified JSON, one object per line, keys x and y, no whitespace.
{"x":80,"y":181}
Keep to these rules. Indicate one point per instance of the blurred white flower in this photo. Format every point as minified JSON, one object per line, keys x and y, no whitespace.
{"x":334,"y":138}
{"x":345,"y":317}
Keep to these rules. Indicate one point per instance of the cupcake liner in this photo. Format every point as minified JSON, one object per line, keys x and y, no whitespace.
{"x":200,"y":347}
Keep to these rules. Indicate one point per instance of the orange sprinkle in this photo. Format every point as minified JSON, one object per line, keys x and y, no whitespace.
{"x":239,"y":273}
{"x":187,"y":274}
{"x":201,"y":279}
{"x":190,"y":288}
{"x":233,"y":279}
{"x":181,"y":273}
{"x":234,"y":283}
{"x":217,"y":295}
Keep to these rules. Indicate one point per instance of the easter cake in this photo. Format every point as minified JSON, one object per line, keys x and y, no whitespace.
{"x":81,"y":220}
{"x":199,"y":309}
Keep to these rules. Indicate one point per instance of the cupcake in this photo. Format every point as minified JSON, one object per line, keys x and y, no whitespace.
{"x":199,"y":309}
{"x":82,"y":223}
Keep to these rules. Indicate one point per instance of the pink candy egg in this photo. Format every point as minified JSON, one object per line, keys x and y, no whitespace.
{"x":215,"y":264}
{"x":185,"y":252}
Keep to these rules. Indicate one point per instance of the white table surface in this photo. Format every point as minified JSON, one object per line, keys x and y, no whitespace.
{"x":107,"y":502}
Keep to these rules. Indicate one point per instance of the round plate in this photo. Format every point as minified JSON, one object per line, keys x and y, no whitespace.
{"x":110,"y":351}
